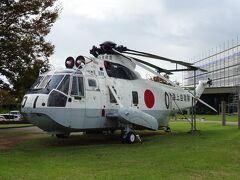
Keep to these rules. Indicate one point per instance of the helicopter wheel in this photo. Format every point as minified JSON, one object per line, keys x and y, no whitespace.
{"x":167,"y":130}
{"x":129,"y":137}
{"x":66,"y":135}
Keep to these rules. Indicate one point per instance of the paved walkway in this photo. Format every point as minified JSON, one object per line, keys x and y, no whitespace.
{"x":219,"y":122}
{"x":12,"y":136}
{"x":18,"y":129}
{"x":208,"y":121}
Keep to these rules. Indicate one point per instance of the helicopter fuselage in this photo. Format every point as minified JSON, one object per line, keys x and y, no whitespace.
{"x":81,"y":100}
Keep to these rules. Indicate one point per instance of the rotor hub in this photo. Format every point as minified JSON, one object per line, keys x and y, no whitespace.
{"x":106,"y":48}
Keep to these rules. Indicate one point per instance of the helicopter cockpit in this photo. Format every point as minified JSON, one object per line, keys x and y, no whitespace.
{"x":58,"y":86}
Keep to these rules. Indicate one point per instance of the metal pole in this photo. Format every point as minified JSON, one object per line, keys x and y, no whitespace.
{"x":1,"y":101}
{"x":192,"y":118}
{"x":223,"y":107}
{"x":192,"y":126}
{"x":194,"y":107}
{"x":239,"y":113}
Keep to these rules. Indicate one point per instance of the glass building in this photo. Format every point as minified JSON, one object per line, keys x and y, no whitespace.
{"x":223,"y":67}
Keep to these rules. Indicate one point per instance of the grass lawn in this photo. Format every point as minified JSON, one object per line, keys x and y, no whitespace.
{"x":211,"y":154}
{"x":229,"y":118}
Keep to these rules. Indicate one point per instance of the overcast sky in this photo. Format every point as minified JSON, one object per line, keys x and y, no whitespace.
{"x":177,"y":29}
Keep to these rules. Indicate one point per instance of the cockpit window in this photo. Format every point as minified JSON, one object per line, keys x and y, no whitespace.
{"x":118,"y":71}
{"x":44,"y":82}
{"x":64,"y":86}
{"x":53,"y":83}
{"x":37,"y":82}
{"x":77,"y":86}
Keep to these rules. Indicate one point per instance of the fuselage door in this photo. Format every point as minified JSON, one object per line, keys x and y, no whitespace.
{"x":58,"y":87}
{"x":93,"y":98}
{"x":77,"y":101}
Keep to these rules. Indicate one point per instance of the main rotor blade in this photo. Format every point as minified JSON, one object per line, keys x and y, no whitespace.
{"x":143,"y":62}
{"x":152,"y":65}
{"x":203,"y":102}
{"x":139,"y":53}
{"x":149,"y":55}
{"x":117,"y":52}
{"x":144,"y":67}
{"x":155,"y":73}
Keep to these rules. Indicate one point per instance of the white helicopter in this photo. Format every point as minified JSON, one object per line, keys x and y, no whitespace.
{"x":105,"y":92}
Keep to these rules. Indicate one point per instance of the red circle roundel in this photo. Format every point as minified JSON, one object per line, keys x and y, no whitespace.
{"x":149,"y":98}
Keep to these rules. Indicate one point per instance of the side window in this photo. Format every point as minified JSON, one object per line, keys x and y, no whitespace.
{"x":77,"y":86}
{"x":134,"y":97}
{"x":181,"y":97}
{"x":80,"y":85}
{"x":112,"y":98}
{"x":177,"y":97}
{"x":118,"y":71}
{"x":185,"y":97}
{"x":92,"y":83}
{"x":57,"y":99}
{"x":74,"y":91}
{"x":64,"y":86}
{"x":173,"y":97}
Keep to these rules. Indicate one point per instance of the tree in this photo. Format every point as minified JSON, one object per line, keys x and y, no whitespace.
{"x":23,"y":47}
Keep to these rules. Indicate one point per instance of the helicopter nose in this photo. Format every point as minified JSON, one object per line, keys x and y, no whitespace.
{"x":32,"y":102}
{"x":27,"y":102}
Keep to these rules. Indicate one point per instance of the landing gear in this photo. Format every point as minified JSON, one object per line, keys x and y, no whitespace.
{"x":65,"y":135}
{"x":129,"y":137}
{"x":167,"y":129}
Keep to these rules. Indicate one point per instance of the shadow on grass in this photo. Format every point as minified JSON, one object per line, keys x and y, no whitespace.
{"x":101,"y":139}
{"x":180,"y":133}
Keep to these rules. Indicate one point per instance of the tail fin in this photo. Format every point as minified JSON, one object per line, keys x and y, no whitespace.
{"x":201,"y":86}
{"x":199,"y":90}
